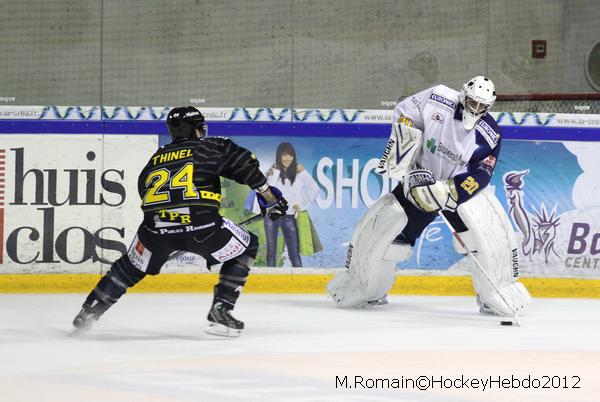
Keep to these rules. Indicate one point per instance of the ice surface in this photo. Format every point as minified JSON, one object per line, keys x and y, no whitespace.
{"x":151,"y":347}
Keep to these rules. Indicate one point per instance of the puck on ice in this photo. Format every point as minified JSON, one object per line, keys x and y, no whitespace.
{"x":506,"y":323}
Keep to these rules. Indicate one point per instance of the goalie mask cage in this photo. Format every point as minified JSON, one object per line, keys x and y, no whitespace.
{"x":579,"y":103}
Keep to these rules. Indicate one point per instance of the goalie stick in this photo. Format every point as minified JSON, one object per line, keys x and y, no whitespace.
{"x":481,"y":269}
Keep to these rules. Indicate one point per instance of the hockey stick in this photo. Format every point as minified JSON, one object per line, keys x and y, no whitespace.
{"x":251,"y":219}
{"x":481,"y":269}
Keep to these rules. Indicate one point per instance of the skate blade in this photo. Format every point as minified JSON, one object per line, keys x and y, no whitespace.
{"x":222,"y":330}
{"x":82,"y":327}
{"x":75,"y":332}
{"x":377,"y":303}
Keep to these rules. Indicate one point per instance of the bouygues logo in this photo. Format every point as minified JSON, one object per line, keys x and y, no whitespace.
{"x":583,"y":241}
{"x":75,"y":193}
{"x":539,"y":229}
{"x":431,"y":145}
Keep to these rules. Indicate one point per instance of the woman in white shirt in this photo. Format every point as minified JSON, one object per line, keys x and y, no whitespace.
{"x":299,"y":189}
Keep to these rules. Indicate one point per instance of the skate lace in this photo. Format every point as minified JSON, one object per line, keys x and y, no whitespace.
{"x":226,"y":314}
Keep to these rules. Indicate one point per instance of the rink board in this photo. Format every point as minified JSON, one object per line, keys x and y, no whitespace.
{"x":286,"y":283}
{"x":70,"y":205}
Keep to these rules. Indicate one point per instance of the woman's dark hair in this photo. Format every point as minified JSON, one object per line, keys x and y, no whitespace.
{"x":292,"y":170}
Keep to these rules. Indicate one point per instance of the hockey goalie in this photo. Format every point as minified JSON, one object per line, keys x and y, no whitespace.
{"x":443,"y":149}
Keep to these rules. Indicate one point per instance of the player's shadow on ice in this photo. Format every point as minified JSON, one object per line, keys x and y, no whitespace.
{"x":400,"y":311}
{"x":129,"y":335}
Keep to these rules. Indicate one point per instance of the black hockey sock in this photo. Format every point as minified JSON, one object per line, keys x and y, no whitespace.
{"x":121,"y":276}
{"x":234,"y":273}
{"x":231,"y":282}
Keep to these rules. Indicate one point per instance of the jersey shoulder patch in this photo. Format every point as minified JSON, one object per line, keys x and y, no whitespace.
{"x":443,"y":97}
{"x":489,"y":130}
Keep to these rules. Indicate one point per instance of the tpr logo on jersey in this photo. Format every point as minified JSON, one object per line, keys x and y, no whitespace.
{"x":431,"y":145}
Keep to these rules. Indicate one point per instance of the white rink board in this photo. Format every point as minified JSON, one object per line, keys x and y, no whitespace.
{"x":71,"y":200}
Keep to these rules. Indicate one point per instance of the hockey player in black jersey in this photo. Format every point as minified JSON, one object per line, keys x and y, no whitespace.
{"x":181,"y":192}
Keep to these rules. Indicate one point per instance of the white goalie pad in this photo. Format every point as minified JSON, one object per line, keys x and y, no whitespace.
{"x":491,"y":238}
{"x":516,"y":294}
{"x":371,"y":258}
{"x":400,"y":151}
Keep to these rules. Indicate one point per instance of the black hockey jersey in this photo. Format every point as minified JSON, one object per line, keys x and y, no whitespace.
{"x":180,"y":185}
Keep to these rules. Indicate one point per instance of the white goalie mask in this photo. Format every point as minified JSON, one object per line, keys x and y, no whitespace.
{"x":477,"y":97}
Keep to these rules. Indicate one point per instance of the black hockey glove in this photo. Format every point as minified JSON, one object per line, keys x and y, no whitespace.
{"x":274,"y":209}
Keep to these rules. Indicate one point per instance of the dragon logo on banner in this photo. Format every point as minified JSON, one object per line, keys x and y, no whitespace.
{"x":538,"y":228}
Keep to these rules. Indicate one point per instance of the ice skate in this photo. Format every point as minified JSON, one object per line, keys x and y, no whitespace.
{"x":485,"y":309}
{"x":378,"y":302}
{"x":222,"y":323}
{"x":84,"y":320}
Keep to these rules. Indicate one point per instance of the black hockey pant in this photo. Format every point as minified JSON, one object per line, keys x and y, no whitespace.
{"x":228,"y":243}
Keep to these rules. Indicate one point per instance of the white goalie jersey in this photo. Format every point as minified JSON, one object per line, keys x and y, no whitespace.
{"x":447,"y":149}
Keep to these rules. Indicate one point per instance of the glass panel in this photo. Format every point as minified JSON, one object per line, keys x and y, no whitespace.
{"x":51,"y":52}
{"x":286,"y":53}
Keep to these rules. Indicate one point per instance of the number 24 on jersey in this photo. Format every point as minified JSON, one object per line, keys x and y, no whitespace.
{"x":160,"y":185}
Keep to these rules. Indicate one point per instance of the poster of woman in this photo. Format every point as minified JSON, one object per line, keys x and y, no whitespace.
{"x":300,"y":190}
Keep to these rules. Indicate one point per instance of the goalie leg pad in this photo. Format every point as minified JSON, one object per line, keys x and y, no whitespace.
{"x":398,"y":252}
{"x":345,"y":291}
{"x":491,"y":236}
{"x":470,"y":241}
{"x":490,"y":302}
{"x":370,"y":262}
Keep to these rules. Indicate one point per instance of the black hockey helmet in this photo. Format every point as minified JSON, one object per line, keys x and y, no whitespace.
{"x":182,"y":123}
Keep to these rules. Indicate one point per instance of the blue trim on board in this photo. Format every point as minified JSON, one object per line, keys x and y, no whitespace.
{"x":288,"y":129}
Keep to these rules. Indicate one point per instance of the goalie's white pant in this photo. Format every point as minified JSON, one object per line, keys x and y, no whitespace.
{"x":371,"y":259}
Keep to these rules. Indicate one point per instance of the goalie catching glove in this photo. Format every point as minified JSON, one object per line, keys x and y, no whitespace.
{"x":274,"y":209}
{"x":429,"y":194}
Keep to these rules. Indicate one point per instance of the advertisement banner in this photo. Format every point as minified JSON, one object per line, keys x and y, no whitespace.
{"x":70,"y":202}
{"x":546,"y":187}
